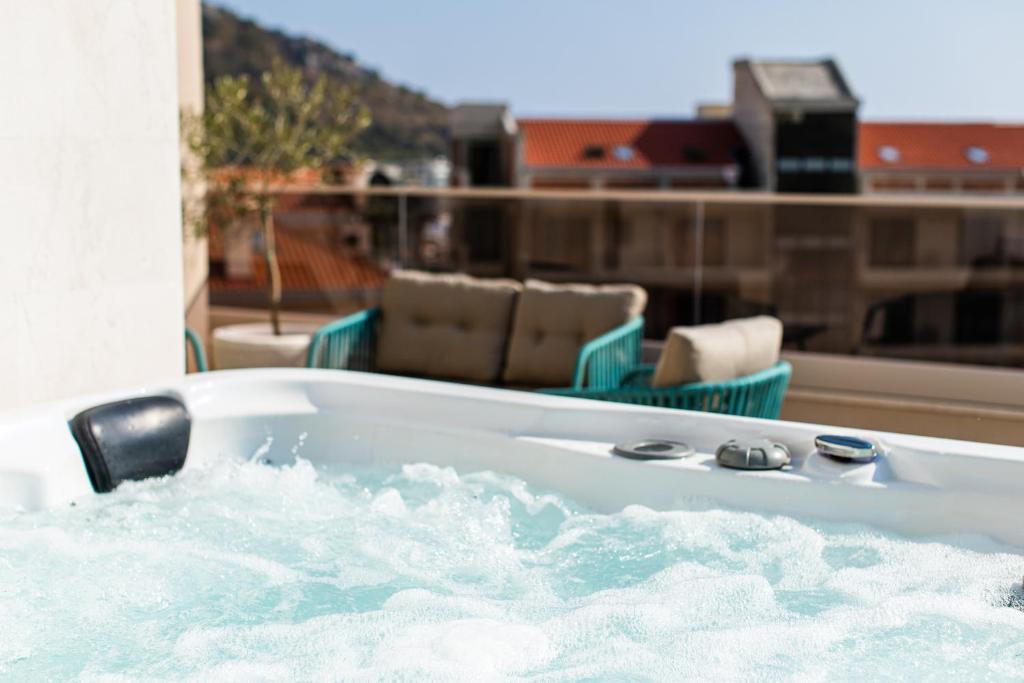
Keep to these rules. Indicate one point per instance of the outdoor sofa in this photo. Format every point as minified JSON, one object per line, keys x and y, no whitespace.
{"x":491,"y":331}
{"x":569,"y":339}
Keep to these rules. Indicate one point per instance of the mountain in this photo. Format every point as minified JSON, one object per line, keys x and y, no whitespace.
{"x":406,"y":124}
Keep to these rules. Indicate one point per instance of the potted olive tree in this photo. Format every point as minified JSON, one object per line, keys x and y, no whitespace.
{"x":252,"y":136}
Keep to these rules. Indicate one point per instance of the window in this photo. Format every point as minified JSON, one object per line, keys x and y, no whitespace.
{"x":694,"y":154}
{"x":892,"y":241}
{"x":484,"y":163}
{"x":840,"y":165}
{"x":983,"y":240}
{"x":788,"y":165}
{"x":814,"y":165}
{"x":888,"y":154}
{"x":815,"y":140}
{"x":623,"y":153}
{"x":976,"y":155}
{"x":593,"y":152}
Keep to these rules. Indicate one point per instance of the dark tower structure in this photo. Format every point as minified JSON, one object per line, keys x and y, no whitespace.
{"x":800,"y":122}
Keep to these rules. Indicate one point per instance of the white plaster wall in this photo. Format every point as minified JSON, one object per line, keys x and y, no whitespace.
{"x":90,"y":255}
{"x":190,"y":99}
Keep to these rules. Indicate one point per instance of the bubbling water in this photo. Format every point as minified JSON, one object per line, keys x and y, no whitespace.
{"x":244,"y":571}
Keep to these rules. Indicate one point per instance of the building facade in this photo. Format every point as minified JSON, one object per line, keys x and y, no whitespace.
{"x":861,"y":276}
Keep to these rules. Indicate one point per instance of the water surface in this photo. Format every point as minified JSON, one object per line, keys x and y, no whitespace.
{"x":247,"y":572}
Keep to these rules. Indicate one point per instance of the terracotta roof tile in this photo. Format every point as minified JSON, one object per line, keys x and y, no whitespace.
{"x":564,"y":143}
{"x":307,"y":264}
{"x":939,"y":146}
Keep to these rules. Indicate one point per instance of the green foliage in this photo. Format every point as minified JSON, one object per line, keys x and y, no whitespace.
{"x":249,"y":137}
{"x":406,"y":124}
{"x":289,"y":124}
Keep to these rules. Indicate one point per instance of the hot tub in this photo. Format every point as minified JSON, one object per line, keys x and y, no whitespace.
{"x":334,"y":525}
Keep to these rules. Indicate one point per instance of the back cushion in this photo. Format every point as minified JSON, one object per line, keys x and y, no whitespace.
{"x":700,"y":353}
{"x":553,"y":322}
{"x":449,"y":326}
{"x":763,"y":337}
{"x":718,"y":352}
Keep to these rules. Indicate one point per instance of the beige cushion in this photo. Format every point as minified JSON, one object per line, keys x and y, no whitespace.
{"x":449,"y":326}
{"x":719,"y":352}
{"x":701,"y":353}
{"x":763,"y":337}
{"x":553,"y":322}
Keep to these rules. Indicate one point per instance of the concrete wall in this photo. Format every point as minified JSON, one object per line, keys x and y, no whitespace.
{"x":753,"y":115}
{"x":196,"y":261}
{"x":91,"y":265}
{"x":932,"y":399}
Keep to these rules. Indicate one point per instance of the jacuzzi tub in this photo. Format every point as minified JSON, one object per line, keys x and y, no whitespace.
{"x":919,"y":485}
{"x":966,"y":494}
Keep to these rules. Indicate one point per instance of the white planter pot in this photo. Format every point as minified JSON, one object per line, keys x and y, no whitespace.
{"x":254,"y":345}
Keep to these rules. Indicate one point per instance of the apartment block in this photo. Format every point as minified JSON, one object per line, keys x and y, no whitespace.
{"x":844,"y":272}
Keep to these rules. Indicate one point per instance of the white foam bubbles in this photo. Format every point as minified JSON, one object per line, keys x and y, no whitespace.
{"x":237,"y":570}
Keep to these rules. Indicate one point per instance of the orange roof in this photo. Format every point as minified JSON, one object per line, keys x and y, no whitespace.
{"x":635,"y":144}
{"x":307,"y":265}
{"x":940,"y":146}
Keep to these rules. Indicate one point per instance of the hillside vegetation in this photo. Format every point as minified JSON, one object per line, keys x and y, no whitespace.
{"x":406,"y":123}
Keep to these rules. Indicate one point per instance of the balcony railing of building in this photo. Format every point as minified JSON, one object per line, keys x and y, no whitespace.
{"x":918,"y":277}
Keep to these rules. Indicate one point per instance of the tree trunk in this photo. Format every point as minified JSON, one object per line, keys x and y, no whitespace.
{"x":273,"y":268}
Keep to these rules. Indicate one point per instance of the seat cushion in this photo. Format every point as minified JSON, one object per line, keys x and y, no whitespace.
{"x":448,"y":326}
{"x":553,"y":321}
{"x":718,"y":352}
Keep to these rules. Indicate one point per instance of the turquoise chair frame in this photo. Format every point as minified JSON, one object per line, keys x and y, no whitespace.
{"x":756,"y":395}
{"x":350,"y":344}
{"x":192,"y":340}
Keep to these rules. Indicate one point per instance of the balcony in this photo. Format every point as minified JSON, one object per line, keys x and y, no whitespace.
{"x":901,"y":312}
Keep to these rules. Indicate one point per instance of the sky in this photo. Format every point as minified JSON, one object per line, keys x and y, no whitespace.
{"x":904,"y":59}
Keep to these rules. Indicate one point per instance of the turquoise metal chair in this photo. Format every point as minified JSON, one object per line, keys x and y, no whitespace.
{"x":605,"y":360}
{"x":350,"y":343}
{"x":192,"y":341}
{"x":756,"y":395}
